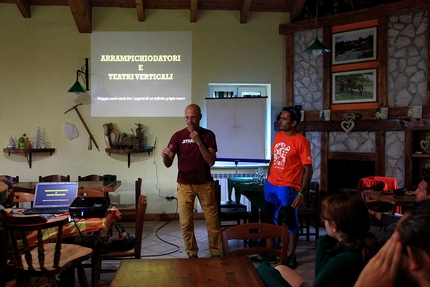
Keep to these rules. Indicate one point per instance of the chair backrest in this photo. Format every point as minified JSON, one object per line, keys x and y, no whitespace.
{"x":12,"y":179}
{"x":217,"y":189}
{"x":140,"y":218}
{"x":137,"y":191}
{"x":86,"y":192}
{"x":17,"y":228}
{"x":54,"y":178}
{"x":228,"y":214}
{"x":257,"y":230}
{"x":22,"y":196}
{"x":91,"y":177}
{"x":312,"y":197}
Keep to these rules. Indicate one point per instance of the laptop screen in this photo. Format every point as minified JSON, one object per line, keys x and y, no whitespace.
{"x":55,"y":194}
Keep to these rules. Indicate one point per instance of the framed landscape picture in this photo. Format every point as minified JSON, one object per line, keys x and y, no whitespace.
{"x":354,"y":46}
{"x":354,"y":86}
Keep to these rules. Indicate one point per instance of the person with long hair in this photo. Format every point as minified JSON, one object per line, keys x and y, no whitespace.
{"x":341,"y":254}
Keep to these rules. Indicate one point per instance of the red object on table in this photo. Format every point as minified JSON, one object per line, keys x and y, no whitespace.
{"x":371,"y":182}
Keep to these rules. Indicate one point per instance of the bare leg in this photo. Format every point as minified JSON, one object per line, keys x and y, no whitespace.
{"x":293,"y":240}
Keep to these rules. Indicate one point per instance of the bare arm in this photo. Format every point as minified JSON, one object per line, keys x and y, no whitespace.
{"x":168,"y":156}
{"x":270,"y":166}
{"x":294,"y":279}
{"x":375,"y":214}
{"x":209,"y":154}
{"x":306,"y":180}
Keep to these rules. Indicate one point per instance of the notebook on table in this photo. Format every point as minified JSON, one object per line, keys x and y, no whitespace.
{"x":53,"y":197}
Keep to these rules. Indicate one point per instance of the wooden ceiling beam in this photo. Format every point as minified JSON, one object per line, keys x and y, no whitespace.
{"x":24,"y":7}
{"x":296,"y":8}
{"x":244,"y":11}
{"x":140,"y":11}
{"x":81,"y":11}
{"x":193,"y":11}
{"x":376,"y":12}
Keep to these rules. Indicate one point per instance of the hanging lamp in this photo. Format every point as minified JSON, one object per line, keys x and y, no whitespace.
{"x":317,"y":48}
{"x":77,"y":87}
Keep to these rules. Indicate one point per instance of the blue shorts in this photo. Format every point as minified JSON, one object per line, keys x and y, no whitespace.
{"x":283,"y":196}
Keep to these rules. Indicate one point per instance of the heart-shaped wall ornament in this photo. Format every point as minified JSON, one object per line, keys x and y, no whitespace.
{"x":348,"y":121}
{"x":347,"y":125}
{"x":424,"y":145}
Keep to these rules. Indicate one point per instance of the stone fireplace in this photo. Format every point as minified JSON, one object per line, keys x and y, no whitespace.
{"x":352,"y":156}
{"x":343,"y":175}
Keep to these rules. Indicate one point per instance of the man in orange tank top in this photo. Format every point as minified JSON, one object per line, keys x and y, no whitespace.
{"x":289,"y":174}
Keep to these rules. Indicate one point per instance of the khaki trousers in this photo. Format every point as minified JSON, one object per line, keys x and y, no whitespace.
{"x":186,"y":197}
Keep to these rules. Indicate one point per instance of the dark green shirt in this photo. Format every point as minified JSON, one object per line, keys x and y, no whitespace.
{"x":336,"y":265}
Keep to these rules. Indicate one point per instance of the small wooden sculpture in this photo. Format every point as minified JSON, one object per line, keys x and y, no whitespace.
{"x":109,"y":128}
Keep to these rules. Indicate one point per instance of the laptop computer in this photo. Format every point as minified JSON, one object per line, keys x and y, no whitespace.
{"x":53,"y":197}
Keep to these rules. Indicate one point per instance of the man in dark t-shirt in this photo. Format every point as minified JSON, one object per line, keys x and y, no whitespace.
{"x":196,"y":149}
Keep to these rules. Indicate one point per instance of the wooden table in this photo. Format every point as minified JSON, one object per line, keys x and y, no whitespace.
{"x":399,"y":200}
{"x":231,"y":183}
{"x":94,"y":185}
{"x":254,"y":192}
{"x":234,"y":271}
{"x":390,"y":197}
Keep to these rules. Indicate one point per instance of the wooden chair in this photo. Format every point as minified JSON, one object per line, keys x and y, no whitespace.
{"x":23,"y":196}
{"x":12,"y":179}
{"x":231,"y":203}
{"x":402,"y":206}
{"x":54,"y":178}
{"x":137,"y":190}
{"x":380,"y":206}
{"x":134,"y":253}
{"x":229,"y":213}
{"x":249,"y":231}
{"x":47,"y":259}
{"x":309,"y":211}
{"x":91,"y":177}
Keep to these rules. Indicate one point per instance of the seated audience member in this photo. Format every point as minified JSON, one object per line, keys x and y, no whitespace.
{"x":6,"y":193}
{"x":385,"y":224}
{"x":341,"y":254}
{"x":404,"y":260}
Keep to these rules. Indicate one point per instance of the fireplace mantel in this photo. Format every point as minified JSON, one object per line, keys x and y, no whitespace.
{"x":368,"y":125}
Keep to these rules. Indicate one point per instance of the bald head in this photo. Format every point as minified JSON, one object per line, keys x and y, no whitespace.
{"x":193,"y":115}
{"x":194,"y":108}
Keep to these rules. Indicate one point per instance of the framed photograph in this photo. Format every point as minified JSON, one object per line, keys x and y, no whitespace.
{"x":354,"y":46}
{"x":354,"y":86}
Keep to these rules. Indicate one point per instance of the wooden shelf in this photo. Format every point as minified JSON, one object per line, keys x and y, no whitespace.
{"x":422,"y":155}
{"x":29,"y":152}
{"x":129,"y":151}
